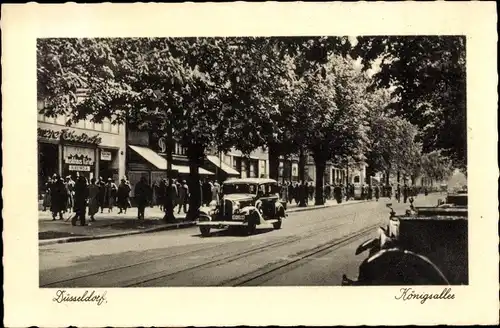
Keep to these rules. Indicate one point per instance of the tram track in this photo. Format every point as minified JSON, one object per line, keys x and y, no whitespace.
{"x":234,"y":257}
{"x":310,"y":232}
{"x":259,"y":276}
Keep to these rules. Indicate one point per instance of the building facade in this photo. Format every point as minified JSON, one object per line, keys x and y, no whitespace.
{"x":256,"y":165}
{"x":86,"y":148}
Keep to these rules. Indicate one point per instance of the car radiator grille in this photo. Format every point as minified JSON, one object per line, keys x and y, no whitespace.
{"x":228,"y":209}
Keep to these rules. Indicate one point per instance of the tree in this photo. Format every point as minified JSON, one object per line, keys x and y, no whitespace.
{"x":337,"y":116}
{"x":436,"y":166}
{"x":428,"y":77}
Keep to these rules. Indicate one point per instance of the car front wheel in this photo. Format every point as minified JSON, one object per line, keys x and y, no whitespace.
{"x":205,"y":231}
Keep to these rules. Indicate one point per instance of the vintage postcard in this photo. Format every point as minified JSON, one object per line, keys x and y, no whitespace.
{"x":250,"y":164}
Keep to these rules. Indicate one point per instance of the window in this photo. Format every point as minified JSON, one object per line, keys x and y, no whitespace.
{"x":115,"y":128}
{"x":356,"y":179}
{"x":98,"y":126}
{"x":252,"y":170}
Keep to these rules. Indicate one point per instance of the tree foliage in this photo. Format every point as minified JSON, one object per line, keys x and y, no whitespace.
{"x":436,"y":166}
{"x":429,"y":80}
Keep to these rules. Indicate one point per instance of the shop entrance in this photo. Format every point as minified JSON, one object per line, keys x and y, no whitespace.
{"x":48,"y":161}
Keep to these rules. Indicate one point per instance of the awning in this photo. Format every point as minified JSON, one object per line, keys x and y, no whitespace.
{"x":223,"y":166}
{"x":161,"y":163}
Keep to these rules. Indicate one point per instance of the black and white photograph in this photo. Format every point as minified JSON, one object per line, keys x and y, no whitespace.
{"x":252,"y":161}
{"x":250,"y":164}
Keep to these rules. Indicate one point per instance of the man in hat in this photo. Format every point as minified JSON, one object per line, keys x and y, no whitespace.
{"x":111,"y":190}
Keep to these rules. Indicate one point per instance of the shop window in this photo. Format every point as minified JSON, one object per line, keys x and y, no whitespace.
{"x":252,"y":170}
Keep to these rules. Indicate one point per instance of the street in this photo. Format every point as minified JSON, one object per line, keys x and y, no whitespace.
{"x":313,"y":248}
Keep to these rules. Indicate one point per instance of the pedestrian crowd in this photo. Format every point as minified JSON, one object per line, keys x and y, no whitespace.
{"x":295,"y":191}
{"x":66,"y":196}
{"x":82,"y":197}
{"x":172,"y":195}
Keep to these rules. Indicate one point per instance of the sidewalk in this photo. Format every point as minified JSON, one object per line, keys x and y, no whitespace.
{"x":108,"y":225}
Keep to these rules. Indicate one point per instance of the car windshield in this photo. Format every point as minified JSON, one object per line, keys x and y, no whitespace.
{"x":239,"y":188}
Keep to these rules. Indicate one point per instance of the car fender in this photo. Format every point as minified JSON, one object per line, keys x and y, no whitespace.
{"x":205,"y":213}
{"x":389,"y":266}
{"x":248,"y":210}
{"x":280,"y":209}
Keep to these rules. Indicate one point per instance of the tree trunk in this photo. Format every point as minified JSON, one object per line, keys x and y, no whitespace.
{"x":274,"y":160}
{"x":320,"y":164}
{"x":387,"y":173}
{"x":302,"y":177}
{"x":169,"y":210}
{"x":369,"y":174}
{"x":195,"y":155}
{"x":399,"y":176}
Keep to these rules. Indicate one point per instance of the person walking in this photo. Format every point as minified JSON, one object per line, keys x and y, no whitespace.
{"x":59,"y":197}
{"x":123,"y":196}
{"x":215,"y":192}
{"x":111,"y":190}
{"x":171,"y":196}
{"x":101,"y":197}
{"x":406,"y":193}
{"x":162,"y":190}
{"x":337,"y":192}
{"x":70,"y":185}
{"x":46,"y":196}
{"x":377,"y":192}
{"x":183,"y":191}
{"x":291,"y":192}
{"x":80,"y":200}
{"x":142,"y":193}
{"x":154,"y":195}
{"x":93,"y":198}
{"x":398,"y":193}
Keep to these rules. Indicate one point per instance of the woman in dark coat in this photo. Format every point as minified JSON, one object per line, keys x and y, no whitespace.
{"x":59,"y":198}
{"x":142,"y":194}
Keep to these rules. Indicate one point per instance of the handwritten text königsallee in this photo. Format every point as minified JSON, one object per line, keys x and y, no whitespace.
{"x":62,"y":296}
{"x":407,"y":294}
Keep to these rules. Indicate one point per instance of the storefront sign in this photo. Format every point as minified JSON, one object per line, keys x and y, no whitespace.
{"x":79,"y":168}
{"x":162,"y":144}
{"x":79,"y":155}
{"x":69,"y":135}
{"x":105,"y":155}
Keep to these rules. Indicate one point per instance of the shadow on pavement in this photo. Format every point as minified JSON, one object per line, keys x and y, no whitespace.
{"x":234,"y":232}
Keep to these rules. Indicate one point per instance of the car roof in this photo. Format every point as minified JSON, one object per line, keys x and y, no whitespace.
{"x":250,"y":180}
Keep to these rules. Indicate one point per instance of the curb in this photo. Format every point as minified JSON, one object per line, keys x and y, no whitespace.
{"x":113,"y":235}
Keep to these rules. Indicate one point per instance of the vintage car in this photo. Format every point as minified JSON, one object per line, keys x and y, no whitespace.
{"x":425,"y":246}
{"x":244,"y":203}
